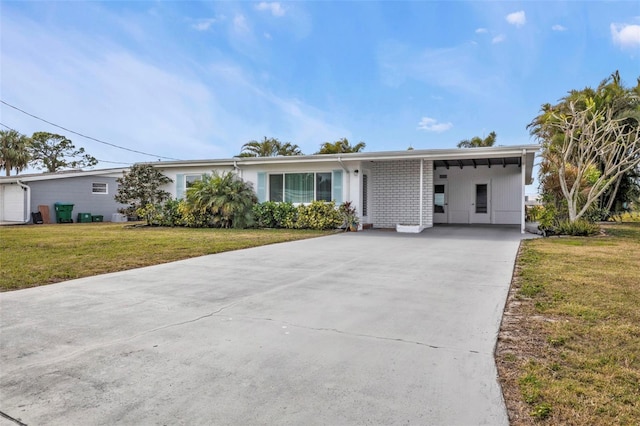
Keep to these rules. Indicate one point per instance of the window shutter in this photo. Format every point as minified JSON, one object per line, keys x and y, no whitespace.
{"x":179,"y":186}
{"x":336,"y":182}
{"x":262,"y":187}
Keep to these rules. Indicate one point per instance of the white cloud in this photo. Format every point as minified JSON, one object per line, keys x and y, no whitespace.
{"x":482,"y":31}
{"x":558,"y":27}
{"x":275,"y":8}
{"x":104,"y":90}
{"x":517,"y":18}
{"x":498,"y":39}
{"x":627,"y":36}
{"x":204,"y":24}
{"x":240,"y":24}
{"x":431,"y":125}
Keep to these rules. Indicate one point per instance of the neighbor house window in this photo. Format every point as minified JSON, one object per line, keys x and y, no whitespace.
{"x":300,"y":187}
{"x":99,"y":188}
{"x":189,"y":180}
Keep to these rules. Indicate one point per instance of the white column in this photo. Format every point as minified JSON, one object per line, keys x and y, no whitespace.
{"x":421,"y":189}
{"x":522,"y":185}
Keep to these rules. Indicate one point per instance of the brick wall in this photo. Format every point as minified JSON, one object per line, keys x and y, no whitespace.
{"x":395,"y":193}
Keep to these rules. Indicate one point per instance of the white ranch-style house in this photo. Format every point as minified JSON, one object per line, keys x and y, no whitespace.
{"x":407,"y":190}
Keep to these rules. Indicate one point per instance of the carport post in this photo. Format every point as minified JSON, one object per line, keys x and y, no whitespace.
{"x":421,"y":190}
{"x":523,"y":182}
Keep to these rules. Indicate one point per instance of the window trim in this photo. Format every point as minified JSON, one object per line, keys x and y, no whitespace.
{"x":93,"y":188}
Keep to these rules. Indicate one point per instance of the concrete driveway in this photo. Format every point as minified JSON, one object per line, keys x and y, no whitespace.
{"x":359,"y":328}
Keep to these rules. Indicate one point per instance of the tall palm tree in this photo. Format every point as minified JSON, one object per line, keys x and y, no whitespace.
{"x":14,"y":151}
{"x":341,"y":146}
{"x":269,"y":147}
{"x":477,"y":142}
{"x":224,"y":198}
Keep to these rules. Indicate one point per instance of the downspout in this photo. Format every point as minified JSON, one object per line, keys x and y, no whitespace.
{"x":421,"y":189}
{"x":237,"y":169}
{"x":522,"y":185}
{"x":348,"y":198}
{"x":27,"y":188}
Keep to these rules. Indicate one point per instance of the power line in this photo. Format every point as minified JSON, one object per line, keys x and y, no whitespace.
{"x":85,"y":136}
{"x":101,"y":161}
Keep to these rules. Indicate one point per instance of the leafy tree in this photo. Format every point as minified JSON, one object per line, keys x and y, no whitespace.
{"x":53,"y":152}
{"x":14,"y":151}
{"x":269,"y":147}
{"x":477,"y":142}
{"x":590,"y":150}
{"x":611,"y":100}
{"x":225,"y":199}
{"x":141,"y":186}
{"x":341,"y":146}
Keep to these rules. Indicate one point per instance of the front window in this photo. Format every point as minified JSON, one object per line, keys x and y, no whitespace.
{"x":300,"y":187}
{"x":189,"y":180}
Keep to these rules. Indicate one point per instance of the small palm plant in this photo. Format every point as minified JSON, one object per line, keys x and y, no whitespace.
{"x":351,"y":220}
{"x":225,"y":199}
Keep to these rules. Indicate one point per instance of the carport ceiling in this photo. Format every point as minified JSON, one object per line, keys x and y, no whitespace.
{"x":475,"y":162}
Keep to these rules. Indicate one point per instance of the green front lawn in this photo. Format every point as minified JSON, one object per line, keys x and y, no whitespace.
{"x":569,"y":346}
{"x":33,"y":255}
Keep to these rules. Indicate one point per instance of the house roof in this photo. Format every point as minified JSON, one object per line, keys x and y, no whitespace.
{"x":63,"y":174}
{"x":457,"y":157}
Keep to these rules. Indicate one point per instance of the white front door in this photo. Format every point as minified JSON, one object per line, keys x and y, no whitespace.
{"x":481,"y":204}
{"x":440,"y":204}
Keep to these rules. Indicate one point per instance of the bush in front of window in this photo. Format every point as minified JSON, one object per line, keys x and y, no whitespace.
{"x":270,"y":214}
{"x":319,"y":215}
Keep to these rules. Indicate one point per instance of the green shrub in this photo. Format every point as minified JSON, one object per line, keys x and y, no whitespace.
{"x":597,"y":214}
{"x":270,"y":214}
{"x":318,"y":215}
{"x":578,"y":228}
{"x":220,"y":200}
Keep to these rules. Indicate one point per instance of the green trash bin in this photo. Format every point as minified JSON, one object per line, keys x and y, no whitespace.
{"x":63,"y":212}
{"x":84,"y":217}
{"x":97,"y":218}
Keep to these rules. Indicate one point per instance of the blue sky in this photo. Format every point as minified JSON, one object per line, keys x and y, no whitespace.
{"x":196,"y":80}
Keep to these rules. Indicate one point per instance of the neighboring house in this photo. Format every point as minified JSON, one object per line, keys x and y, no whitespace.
{"x":415,"y":187}
{"x":89,"y":191}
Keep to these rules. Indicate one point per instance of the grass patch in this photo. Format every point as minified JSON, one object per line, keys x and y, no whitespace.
{"x":569,"y":346}
{"x":33,"y":255}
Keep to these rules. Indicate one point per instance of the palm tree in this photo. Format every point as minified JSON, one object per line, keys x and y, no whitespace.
{"x":477,"y":142}
{"x":224,"y":198}
{"x":341,"y":146}
{"x":269,"y":147}
{"x":14,"y":151}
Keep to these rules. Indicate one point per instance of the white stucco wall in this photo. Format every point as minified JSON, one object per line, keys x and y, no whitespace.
{"x":505,"y":193}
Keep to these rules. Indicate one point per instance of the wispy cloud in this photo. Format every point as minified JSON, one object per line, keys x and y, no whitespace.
{"x":626,"y":36}
{"x":482,"y":31}
{"x":456,"y":68}
{"x":275,"y":8}
{"x":517,"y":18}
{"x":205,"y":24}
{"x":498,"y":39}
{"x":558,"y":27}
{"x":240,"y":24}
{"x":432,"y":125}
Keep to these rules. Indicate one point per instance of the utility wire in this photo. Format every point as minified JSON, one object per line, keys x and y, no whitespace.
{"x":101,"y":161}
{"x":85,"y":136}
